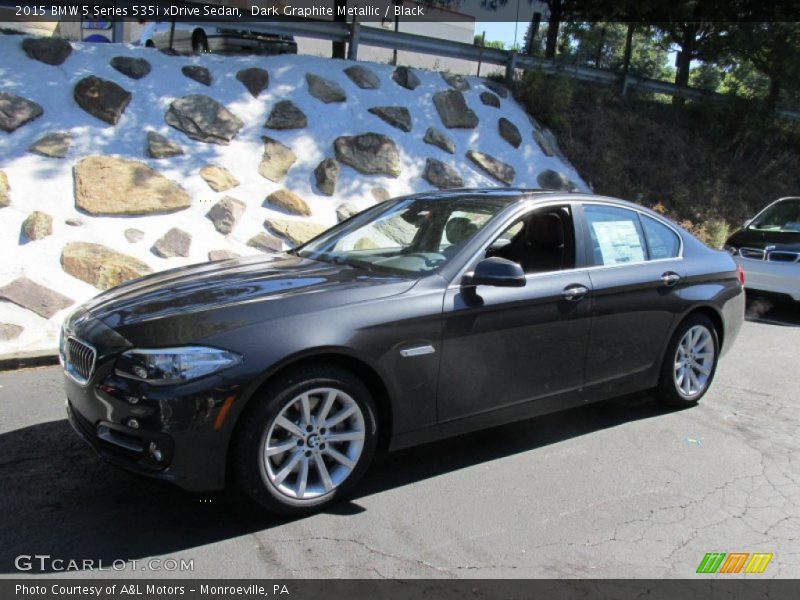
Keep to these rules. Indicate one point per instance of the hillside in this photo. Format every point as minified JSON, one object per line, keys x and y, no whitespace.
{"x":85,"y":205}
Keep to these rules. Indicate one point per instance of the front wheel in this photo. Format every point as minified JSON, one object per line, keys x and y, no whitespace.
{"x":306,"y":442}
{"x":690,"y":362}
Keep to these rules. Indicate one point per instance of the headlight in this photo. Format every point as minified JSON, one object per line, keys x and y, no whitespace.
{"x":164,"y":366}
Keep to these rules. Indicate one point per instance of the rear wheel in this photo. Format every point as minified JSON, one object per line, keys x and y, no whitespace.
{"x":690,"y":362}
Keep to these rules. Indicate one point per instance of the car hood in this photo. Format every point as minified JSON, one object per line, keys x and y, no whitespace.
{"x":753,"y":238}
{"x":252,"y":286}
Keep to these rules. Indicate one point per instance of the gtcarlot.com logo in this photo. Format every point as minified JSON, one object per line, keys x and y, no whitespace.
{"x":45,"y":563}
{"x":734,"y":562}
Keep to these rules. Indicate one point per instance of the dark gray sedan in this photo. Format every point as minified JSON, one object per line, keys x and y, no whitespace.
{"x":423,"y":317}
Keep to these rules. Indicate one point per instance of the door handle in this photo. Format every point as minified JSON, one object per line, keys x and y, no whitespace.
{"x":573,"y":293}
{"x":670,"y":278}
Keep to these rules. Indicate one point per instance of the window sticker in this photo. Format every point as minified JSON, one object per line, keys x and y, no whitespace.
{"x":619,"y":242}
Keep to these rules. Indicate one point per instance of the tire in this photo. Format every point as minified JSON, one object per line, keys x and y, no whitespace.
{"x":697,"y":334}
{"x":199,"y":42}
{"x":298,"y":444}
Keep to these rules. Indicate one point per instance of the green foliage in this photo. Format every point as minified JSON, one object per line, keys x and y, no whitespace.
{"x":489,"y":43}
{"x":545,"y":96}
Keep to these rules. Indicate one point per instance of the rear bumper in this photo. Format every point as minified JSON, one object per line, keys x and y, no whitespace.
{"x":771,"y":276}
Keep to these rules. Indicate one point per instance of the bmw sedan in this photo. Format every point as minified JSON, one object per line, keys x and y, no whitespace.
{"x":423,"y":317}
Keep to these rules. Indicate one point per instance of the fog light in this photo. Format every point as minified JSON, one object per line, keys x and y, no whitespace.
{"x":132,"y":399}
{"x":140,"y":372}
{"x":155,"y":452}
{"x":133,"y":423}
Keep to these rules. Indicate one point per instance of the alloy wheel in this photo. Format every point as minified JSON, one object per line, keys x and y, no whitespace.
{"x":694,"y":361}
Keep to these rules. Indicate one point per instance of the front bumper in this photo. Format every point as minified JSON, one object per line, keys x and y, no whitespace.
{"x":771,"y":276}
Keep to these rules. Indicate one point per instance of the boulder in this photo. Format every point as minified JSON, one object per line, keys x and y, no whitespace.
{"x":290,"y":202}
{"x":100,"y":266}
{"x":52,"y":51}
{"x":198,"y":73}
{"x":157,"y":146}
{"x":135,"y":68}
{"x":109,"y":186}
{"x":176,"y":242}
{"x":5,"y":190}
{"x":276,"y":160}
{"x":346,"y":210}
{"x":365,"y":243}
{"x":9,"y":331}
{"x":453,"y":110}
{"x":285,"y":115}
{"x":226,"y":213}
{"x":380,"y":194}
{"x":133,"y":235}
{"x":441,"y":175}
{"x":326,"y":175}
{"x":455,"y":81}
{"x":16,"y":111}
{"x":368,"y":153}
{"x":489,"y":99}
{"x":363,"y":77}
{"x":509,"y":132}
{"x":52,"y":145}
{"x":497,"y":88}
{"x":101,"y":98}
{"x":497,"y":169}
{"x":254,"y":79}
{"x":218,"y":178}
{"x":437,"y":137}
{"x":214,"y":255}
{"x":324,"y":89}
{"x":34,"y":297}
{"x":265,"y":242}
{"x":37,"y":225}
{"x":296,"y":231}
{"x":396,"y":116}
{"x":74,"y":222}
{"x":405,"y":77}
{"x":553,"y":180}
{"x":203,"y":119}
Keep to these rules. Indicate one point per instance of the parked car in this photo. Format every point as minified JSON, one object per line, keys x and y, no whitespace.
{"x":194,"y":37}
{"x":423,"y":317}
{"x":768,"y":249}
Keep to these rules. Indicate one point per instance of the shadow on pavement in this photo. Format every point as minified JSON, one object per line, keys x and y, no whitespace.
{"x":772,"y":310}
{"x":59,"y":499}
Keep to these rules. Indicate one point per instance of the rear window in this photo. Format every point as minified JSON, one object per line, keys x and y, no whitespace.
{"x":615,"y":235}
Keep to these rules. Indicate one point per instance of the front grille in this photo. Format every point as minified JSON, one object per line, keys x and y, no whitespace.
{"x":773,"y":255}
{"x":753,"y":253}
{"x":783,"y":256}
{"x":79,"y":360}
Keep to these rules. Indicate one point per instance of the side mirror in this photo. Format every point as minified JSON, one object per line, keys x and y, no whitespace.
{"x":498,"y":272}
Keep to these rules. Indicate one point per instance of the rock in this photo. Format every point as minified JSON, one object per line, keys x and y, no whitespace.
{"x":441,"y":175}
{"x":368,"y":153}
{"x":298,"y":232}
{"x":101,"y":98}
{"x":52,"y":51}
{"x":497,"y":88}
{"x":100,"y":266}
{"x":37,"y":298}
{"x":453,"y":110}
{"x":396,"y":116}
{"x":9,"y":331}
{"x":497,"y":169}
{"x":324,"y":89}
{"x":285,"y":115}
{"x":203,"y":119}
{"x":398,"y":230}
{"x":326,"y":175}
{"x":157,"y":146}
{"x":509,"y":132}
{"x":346,"y":210}
{"x":265,"y":242}
{"x":380,"y":194}
{"x":5,"y":189}
{"x":276,"y":160}
{"x":365,"y":243}
{"x":199,"y":74}
{"x":226,"y":213}
{"x":135,"y":68}
{"x":363,"y":77}
{"x":133,"y":235}
{"x":254,"y":79}
{"x":109,"y":186}
{"x":176,"y":242}
{"x":489,"y":99}
{"x":218,"y":179}
{"x":37,"y":225}
{"x":405,"y":77}
{"x":438,"y":138}
{"x":72,"y":222}
{"x":16,"y":111}
{"x":290,"y":202}
{"x":455,"y":81}
{"x":553,"y":180}
{"x":222,"y":255}
{"x":52,"y":145}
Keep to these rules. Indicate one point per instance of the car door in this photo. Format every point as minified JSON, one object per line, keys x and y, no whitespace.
{"x":503,"y":346}
{"x":636,"y":281}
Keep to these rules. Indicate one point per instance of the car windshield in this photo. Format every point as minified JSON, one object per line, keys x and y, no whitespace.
{"x":782,"y":216}
{"x":411,"y":236}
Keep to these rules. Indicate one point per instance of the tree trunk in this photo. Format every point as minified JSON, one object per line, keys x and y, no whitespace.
{"x":553,"y":24}
{"x":533,"y":32}
{"x":683,"y":61}
{"x":626,"y":56}
{"x":598,"y":57}
{"x":338,"y":48}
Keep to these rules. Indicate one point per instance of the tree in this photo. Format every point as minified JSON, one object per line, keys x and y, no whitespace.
{"x":338,"y":48}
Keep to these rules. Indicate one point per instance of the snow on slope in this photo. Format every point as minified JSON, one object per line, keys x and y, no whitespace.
{"x":46,"y":184}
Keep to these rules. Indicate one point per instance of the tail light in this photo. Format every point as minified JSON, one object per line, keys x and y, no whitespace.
{"x":740,"y":274}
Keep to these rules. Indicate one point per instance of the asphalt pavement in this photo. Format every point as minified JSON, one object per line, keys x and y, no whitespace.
{"x":624,"y":488}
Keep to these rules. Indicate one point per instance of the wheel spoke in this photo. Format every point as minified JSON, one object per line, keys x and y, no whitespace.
{"x":693,"y":383}
{"x":326,"y":406}
{"x":702,"y":368}
{"x":302,"y":477}
{"x":287,"y":467}
{"x":339,"y":457}
{"x":340,"y":416}
{"x":292,"y":428}
{"x":305,"y":406}
{"x":344,"y":436}
{"x":282,"y":447}
{"x":322,"y":470}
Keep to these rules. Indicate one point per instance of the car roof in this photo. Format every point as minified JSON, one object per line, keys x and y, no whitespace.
{"x":509,"y":195}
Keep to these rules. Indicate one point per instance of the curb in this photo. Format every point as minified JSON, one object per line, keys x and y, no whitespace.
{"x":26,"y":360}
